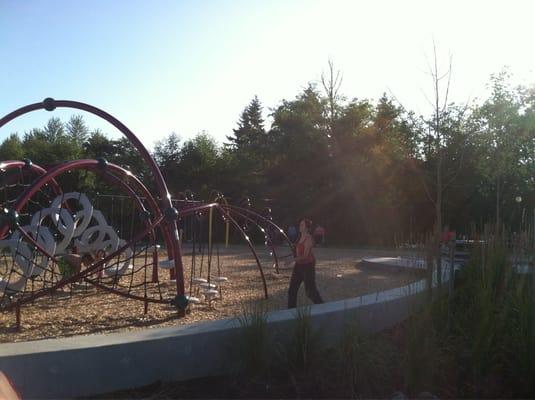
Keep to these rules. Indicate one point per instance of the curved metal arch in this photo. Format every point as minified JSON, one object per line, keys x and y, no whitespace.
{"x":81,"y":164}
{"x":268,"y":241}
{"x":248,"y":241}
{"x":226,"y":215}
{"x":38,"y":170}
{"x":264,"y":219}
{"x":75,"y":165}
{"x":9,"y":164}
{"x":91,"y":165}
{"x":94,"y":166}
{"x":50,"y":104}
{"x":86,"y":272}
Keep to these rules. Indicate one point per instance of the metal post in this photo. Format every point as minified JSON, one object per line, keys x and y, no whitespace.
{"x":17,"y":313}
{"x":155,"y":265}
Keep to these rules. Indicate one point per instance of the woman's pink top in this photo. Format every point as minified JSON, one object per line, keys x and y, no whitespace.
{"x":300,"y":250}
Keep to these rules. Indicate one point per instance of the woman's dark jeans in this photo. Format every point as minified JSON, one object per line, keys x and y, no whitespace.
{"x":306,"y":273}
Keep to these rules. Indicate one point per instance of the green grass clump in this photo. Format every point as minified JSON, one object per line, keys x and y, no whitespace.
{"x":253,"y":341}
{"x":477,"y":340}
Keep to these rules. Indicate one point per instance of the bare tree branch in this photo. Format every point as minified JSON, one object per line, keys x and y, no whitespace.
{"x":447,"y":87}
{"x":463,"y":148}
{"x":427,"y":98}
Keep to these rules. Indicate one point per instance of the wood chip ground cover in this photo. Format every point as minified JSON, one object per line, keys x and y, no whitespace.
{"x":83,"y":312}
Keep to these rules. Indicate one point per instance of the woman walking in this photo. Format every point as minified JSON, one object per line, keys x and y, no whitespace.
{"x":304,"y":267}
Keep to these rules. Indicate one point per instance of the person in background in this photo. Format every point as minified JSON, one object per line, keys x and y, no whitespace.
{"x":71,"y":264}
{"x":304,"y":268}
{"x":319,"y":235}
{"x":447,"y":235}
{"x":292,"y":233}
{"x":448,"y":239}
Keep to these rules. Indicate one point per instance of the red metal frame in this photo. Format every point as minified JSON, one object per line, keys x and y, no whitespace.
{"x":217,"y":206}
{"x":163,"y":215}
{"x":173,"y":247}
{"x":88,"y":271}
{"x":38,"y":170}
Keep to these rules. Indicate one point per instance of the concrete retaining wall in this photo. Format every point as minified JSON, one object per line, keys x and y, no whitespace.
{"x":90,"y":365}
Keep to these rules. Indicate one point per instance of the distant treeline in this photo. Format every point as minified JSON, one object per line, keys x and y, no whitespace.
{"x":367,"y":171}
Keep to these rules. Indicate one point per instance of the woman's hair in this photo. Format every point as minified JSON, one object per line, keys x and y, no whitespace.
{"x":91,"y":257}
{"x":87,"y":258}
{"x":308,"y":224}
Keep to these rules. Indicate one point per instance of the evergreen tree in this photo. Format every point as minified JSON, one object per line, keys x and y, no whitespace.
{"x":198,"y":164}
{"x":300,"y":158}
{"x":167,"y":154}
{"x":98,"y":145}
{"x":167,"y":151}
{"x":126,"y":155}
{"x":54,"y":129}
{"x":250,"y":134}
{"x":77,"y":129}
{"x":11,"y":148}
{"x":507,"y":129}
{"x":50,"y":145}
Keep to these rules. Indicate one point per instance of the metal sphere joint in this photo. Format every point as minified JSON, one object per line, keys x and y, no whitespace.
{"x":49,"y":103}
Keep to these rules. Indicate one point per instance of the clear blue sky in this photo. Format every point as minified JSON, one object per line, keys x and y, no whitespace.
{"x":162,"y":66}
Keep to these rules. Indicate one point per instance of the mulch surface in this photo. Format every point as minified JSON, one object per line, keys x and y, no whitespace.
{"x":89,"y":311}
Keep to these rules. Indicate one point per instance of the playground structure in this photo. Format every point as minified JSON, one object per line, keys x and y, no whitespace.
{"x":48,"y":218}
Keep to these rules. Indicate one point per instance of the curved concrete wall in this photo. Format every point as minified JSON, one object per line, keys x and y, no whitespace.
{"x":90,"y":365}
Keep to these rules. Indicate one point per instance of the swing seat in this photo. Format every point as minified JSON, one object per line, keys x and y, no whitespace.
{"x":208,"y":286}
{"x":220,"y":279}
{"x":166,"y":264}
{"x":82,"y":286}
{"x":117,"y":270}
{"x":210,"y":294}
{"x":282,"y":266}
{"x":199,"y":280}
